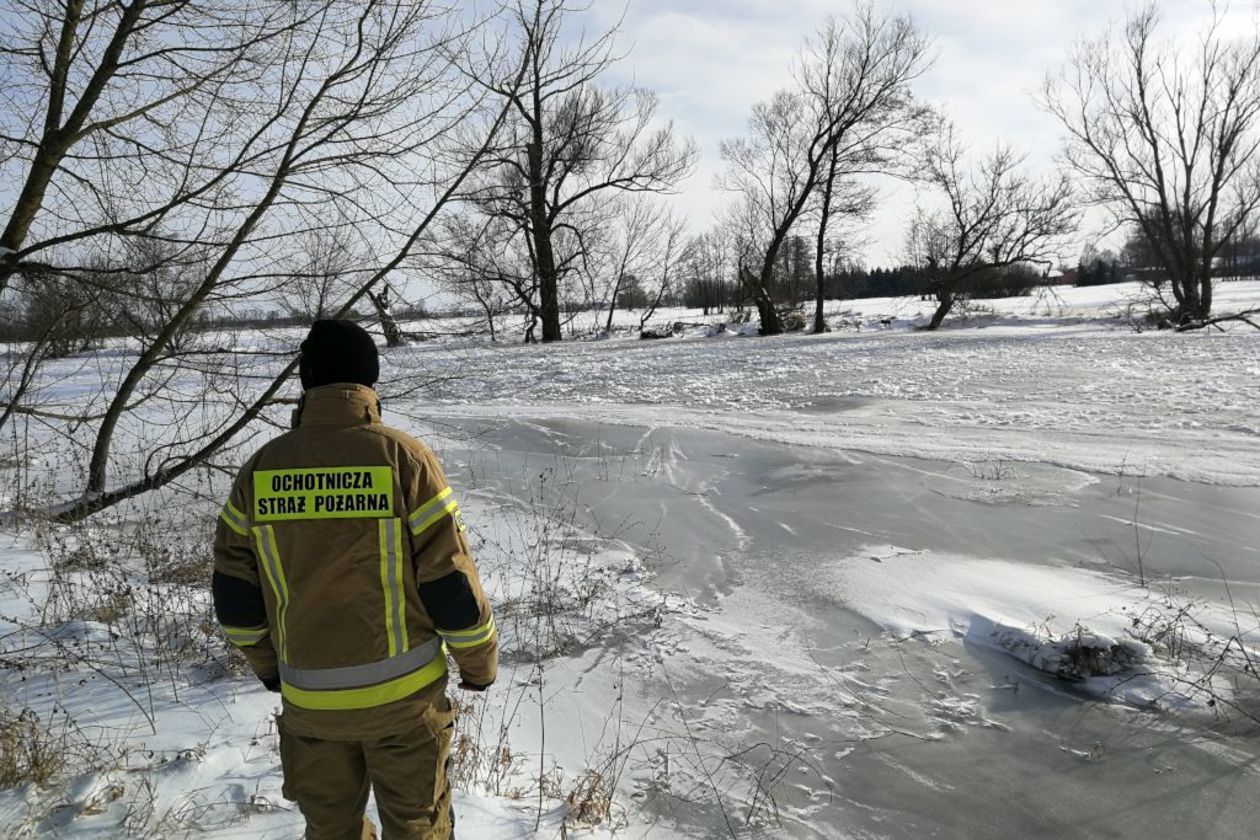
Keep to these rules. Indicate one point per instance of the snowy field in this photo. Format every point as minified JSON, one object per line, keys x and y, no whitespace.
{"x":1052,"y":378}
{"x":877,"y":583}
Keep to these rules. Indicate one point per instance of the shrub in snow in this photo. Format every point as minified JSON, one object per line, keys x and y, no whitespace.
{"x":794,"y":321}
{"x":30,"y":751}
{"x":1075,"y":656}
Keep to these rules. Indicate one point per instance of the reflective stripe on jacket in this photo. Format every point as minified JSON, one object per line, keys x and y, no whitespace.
{"x":341,"y":567}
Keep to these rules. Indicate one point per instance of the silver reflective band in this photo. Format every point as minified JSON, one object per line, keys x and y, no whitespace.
{"x":234,"y":520}
{"x":392,"y":576}
{"x":361,"y":676}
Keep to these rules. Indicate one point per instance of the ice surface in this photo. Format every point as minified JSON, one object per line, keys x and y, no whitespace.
{"x":1078,"y":625}
{"x":830,"y":561}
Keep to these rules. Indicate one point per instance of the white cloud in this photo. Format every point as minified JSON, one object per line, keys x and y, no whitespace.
{"x":710,"y":61}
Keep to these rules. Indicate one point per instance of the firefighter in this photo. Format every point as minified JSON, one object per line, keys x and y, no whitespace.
{"x":343,"y":574}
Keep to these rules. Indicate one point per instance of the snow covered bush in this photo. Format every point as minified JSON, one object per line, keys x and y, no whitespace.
{"x":1076,"y":655}
{"x":1215,"y":658}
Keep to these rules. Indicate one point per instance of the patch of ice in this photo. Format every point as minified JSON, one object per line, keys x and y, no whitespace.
{"x":1072,"y":623}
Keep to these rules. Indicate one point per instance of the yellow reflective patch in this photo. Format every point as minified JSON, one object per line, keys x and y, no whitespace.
{"x":419,"y":513}
{"x":245,"y":637}
{"x":371,"y":696}
{"x":462,"y":639}
{"x":236,"y":514}
{"x":392,"y":585}
{"x":265,"y":536}
{"x":233,"y":523}
{"x":451,"y":506}
{"x":323,"y":493}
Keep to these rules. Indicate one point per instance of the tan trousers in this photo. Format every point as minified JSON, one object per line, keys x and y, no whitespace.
{"x":330,"y":780}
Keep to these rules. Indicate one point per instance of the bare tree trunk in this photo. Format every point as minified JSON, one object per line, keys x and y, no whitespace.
{"x":540,"y":230}
{"x":771,"y":323}
{"x":612,"y":306}
{"x":485,"y":305}
{"x":1193,"y":294}
{"x":755,"y":287}
{"x":653,"y":306}
{"x":389,"y":326}
{"x":829,"y":184}
{"x":944,"y":304}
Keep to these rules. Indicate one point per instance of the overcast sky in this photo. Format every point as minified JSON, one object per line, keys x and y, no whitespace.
{"x":710,"y":60}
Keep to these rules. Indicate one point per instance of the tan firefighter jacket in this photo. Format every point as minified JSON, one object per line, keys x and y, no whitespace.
{"x":341,"y":568}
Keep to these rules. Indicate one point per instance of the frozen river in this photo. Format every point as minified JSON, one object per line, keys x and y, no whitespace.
{"x":777,"y":588}
{"x":860,"y":734}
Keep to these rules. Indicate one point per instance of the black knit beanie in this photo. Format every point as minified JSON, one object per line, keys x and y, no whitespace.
{"x":338,"y":351}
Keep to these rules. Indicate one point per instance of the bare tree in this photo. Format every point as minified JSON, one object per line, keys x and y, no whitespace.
{"x":91,"y":87}
{"x":60,"y":314}
{"x":642,"y":251}
{"x":852,"y":104}
{"x":478,"y":259}
{"x":660,"y":274}
{"x":1167,"y":142}
{"x":990,"y":218}
{"x":570,"y":144}
{"x":360,"y":114}
{"x":824,"y":72}
{"x":464,"y":264}
{"x":842,"y":202}
{"x":708,"y":271}
{"x":323,"y":275}
{"x":35,"y":330}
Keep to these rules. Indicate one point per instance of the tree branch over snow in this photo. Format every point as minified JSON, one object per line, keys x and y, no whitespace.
{"x":357,"y":98}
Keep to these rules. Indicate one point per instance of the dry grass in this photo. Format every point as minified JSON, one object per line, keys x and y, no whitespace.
{"x":1220,"y":667}
{"x":30,"y":751}
{"x":590,"y":800}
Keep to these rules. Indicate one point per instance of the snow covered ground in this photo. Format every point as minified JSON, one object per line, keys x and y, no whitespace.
{"x":148,"y":729}
{"x":1023,"y":386}
{"x":808,"y":586}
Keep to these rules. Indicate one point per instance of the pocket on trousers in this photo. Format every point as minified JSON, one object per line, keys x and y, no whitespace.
{"x":439,"y":718}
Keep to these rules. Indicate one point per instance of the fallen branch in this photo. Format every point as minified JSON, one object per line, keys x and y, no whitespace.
{"x":1245,"y":317}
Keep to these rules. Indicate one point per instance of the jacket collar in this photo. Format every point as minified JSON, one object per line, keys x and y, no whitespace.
{"x":339,"y":404}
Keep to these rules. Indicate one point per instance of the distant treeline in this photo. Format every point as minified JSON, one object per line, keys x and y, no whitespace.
{"x":1138,"y":259}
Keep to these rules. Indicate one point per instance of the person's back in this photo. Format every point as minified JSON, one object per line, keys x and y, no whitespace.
{"x":342,"y":572}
